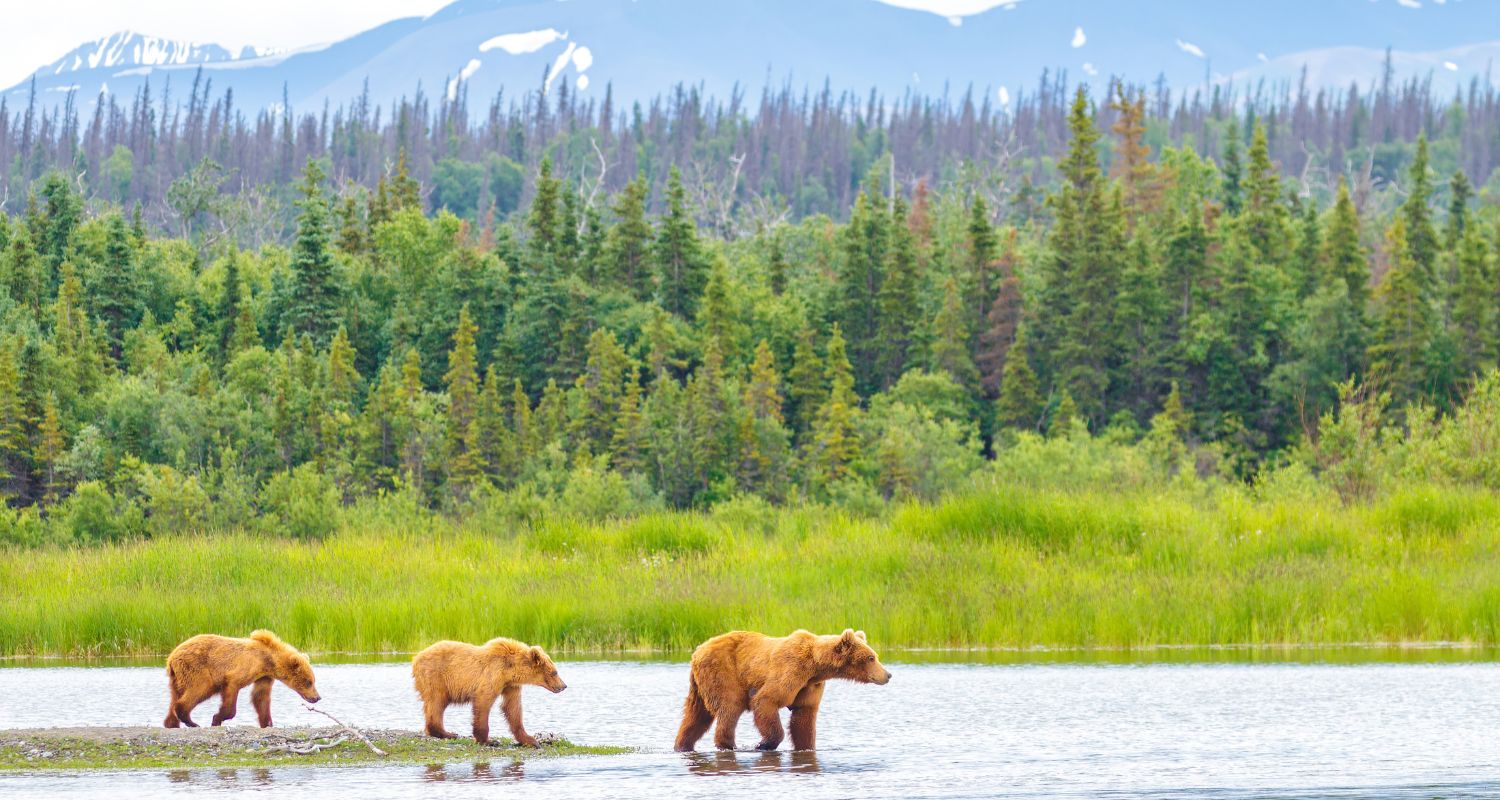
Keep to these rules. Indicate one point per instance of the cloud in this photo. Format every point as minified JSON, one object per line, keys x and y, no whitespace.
{"x":1190,"y":48}
{"x":1264,"y":59}
{"x":1079,"y":40}
{"x":1089,"y":69}
{"x":1409,"y":3}
{"x":1450,"y":66}
{"x":953,"y":9}
{"x":1004,"y":95}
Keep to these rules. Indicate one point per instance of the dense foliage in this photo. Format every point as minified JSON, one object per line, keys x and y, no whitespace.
{"x":592,"y":352}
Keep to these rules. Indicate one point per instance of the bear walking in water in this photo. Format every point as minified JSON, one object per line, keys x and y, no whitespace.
{"x":454,"y":672}
{"x":207,"y":664}
{"x":741,"y":671}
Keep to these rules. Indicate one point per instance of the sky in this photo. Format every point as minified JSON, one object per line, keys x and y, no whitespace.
{"x":54,"y":27}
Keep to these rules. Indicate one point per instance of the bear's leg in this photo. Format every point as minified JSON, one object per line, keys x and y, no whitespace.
{"x":726,"y":719}
{"x":433,"y":707}
{"x":171,"y":720}
{"x":511,"y":705}
{"x":768,"y":721}
{"x":189,"y":701}
{"x":482,"y":705}
{"x":230,"y":698}
{"x":805,"y":717}
{"x":260,"y":698}
{"x":695,"y":719}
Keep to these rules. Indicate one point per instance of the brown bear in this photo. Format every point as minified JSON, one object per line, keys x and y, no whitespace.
{"x":207,"y":664}
{"x":742,"y":670}
{"x":453,"y":672}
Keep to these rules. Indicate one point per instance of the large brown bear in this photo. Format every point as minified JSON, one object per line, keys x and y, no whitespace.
{"x":207,"y":664}
{"x":742,"y":670}
{"x":453,"y":672}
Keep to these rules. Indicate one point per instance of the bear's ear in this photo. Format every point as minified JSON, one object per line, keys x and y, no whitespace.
{"x":845,"y":641}
{"x":860,"y":635}
{"x":537,"y":655}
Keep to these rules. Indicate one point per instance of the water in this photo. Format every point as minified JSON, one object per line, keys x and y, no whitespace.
{"x":936,"y":731}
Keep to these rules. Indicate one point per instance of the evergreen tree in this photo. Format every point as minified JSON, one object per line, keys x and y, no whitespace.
{"x":628,"y":249}
{"x":1416,"y":212}
{"x":983,"y":250}
{"x":680,"y":267}
{"x":117,"y":301}
{"x":1000,"y":324}
{"x":631,"y":437}
{"x":866,"y":240}
{"x":49,"y":450}
{"x":24,"y":271}
{"x":312,"y":306}
{"x":1064,"y":417}
{"x":950,"y":340}
{"x":14,"y":423}
{"x":542,"y":222}
{"x":1460,"y":191}
{"x":834,"y":445}
{"x":462,"y":380}
{"x":600,"y":389}
{"x":776,"y":267}
{"x":1020,"y":403}
{"x":1474,"y":313}
{"x":764,"y":441}
{"x":1232,"y":170}
{"x":1405,"y":322}
{"x":806,"y":387}
{"x":897,"y":323}
{"x":1265,"y":218}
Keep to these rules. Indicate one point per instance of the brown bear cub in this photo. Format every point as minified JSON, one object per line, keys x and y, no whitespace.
{"x":206,"y":665}
{"x":455,"y":673}
{"x":742,"y":671}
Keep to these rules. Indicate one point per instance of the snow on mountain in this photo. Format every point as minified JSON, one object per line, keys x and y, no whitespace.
{"x":639,"y":49}
{"x":127,"y":49}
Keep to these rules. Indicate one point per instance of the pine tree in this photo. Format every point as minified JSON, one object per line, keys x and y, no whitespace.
{"x":1232,"y":170}
{"x":950,"y":340}
{"x":983,"y":250}
{"x":49,"y":450}
{"x":462,"y":380}
{"x":600,"y":389}
{"x":406,"y":192}
{"x":542,"y":221}
{"x":24,"y":271}
{"x":628,"y":248}
{"x":1474,"y":314}
{"x":1416,"y":212}
{"x":413,"y":442}
{"x":680,"y":267}
{"x":1343,"y":255}
{"x":718,"y":311}
{"x":899,"y":305}
{"x":117,"y":301}
{"x":495,"y":443}
{"x":14,"y":423}
{"x":1064,"y":417}
{"x":776,"y":266}
{"x":630,"y":439}
{"x":351,"y":224}
{"x":1132,"y":163}
{"x":313,"y":305}
{"x":1307,"y":261}
{"x":806,"y":388}
{"x":1460,"y":191}
{"x":1020,"y":403}
{"x":1405,"y":323}
{"x":764,"y":440}
{"x":1000,"y":323}
{"x":1264,"y":218}
{"x":834,"y":445}
{"x":866,"y":240}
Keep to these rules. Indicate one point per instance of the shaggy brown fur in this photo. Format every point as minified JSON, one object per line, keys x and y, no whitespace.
{"x":206,"y":665}
{"x":453,"y":672}
{"x":742,"y":671}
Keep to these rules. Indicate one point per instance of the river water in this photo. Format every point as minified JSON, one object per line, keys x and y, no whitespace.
{"x":1219,"y":730}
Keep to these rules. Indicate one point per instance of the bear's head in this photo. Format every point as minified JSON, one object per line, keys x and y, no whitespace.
{"x":542,"y":672}
{"x":853,"y":659}
{"x":290,"y":666}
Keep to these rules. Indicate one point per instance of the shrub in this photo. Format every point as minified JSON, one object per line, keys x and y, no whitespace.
{"x":302,"y":504}
{"x":92,"y":514}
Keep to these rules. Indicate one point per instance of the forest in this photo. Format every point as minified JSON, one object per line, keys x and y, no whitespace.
{"x":214,"y":324}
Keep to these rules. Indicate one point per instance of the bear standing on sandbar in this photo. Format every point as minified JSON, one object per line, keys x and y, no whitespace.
{"x":741,"y":670}
{"x":207,"y":664}
{"x":454,"y":672}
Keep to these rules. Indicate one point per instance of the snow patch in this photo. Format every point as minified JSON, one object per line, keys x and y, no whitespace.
{"x":1450,"y":66}
{"x":1079,"y":40}
{"x":1191,"y":49}
{"x":558,"y":66}
{"x":521,"y":43}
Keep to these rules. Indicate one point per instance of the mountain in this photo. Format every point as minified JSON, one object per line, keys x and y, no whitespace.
{"x":641,"y":48}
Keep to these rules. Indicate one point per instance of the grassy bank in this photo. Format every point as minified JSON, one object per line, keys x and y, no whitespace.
{"x":241,"y":746}
{"x":997,"y":566}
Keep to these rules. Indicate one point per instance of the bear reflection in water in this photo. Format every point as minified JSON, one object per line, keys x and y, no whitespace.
{"x":222,"y":778}
{"x":724,"y":762}
{"x":482,"y":772}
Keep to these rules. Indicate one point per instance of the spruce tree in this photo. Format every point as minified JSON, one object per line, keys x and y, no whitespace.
{"x":834,"y":445}
{"x":462,"y":380}
{"x":1064,"y":417}
{"x":950,"y":340}
{"x":1020,"y":403}
{"x":1474,"y":313}
{"x":897,"y":322}
{"x":680,"y":267}
{"x":49,"y":450}
{"x":117,"y":301}
{"x":1405,"y":323}
{"x":866,"y":240}
{"x":628,"y":249}
{"x":1416,"y":212}
{"x":1232,"y":170}
{"x":805,"y":382}
{"x":630,"y":438}
{"x":313,"y":305}
{"x":1460,"y":191}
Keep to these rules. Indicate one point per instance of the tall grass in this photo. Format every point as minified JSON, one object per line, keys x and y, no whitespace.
{"x":996,"y":566}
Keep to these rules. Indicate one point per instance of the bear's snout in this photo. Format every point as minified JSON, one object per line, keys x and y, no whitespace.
{"x":312,"y":698}
{"x":558,"y":688}
{"x":883,"y":678}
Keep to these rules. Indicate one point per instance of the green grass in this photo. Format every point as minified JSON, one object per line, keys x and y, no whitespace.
{"x":1001,"y":566}
{"x":79,"y":753}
